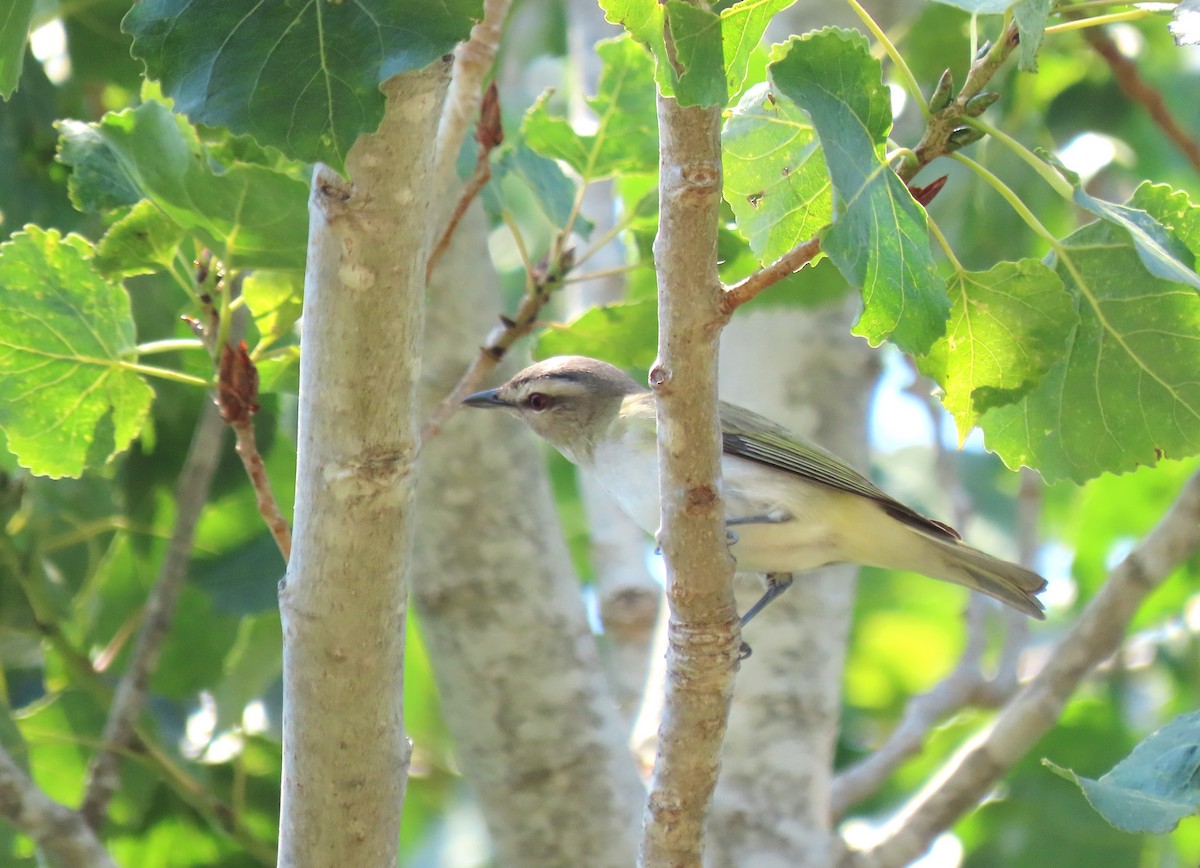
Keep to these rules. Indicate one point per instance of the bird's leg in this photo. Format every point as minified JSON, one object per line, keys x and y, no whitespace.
{"x":777,"y":583}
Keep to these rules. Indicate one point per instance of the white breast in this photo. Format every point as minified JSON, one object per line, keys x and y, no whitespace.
{"x":629,"y":473}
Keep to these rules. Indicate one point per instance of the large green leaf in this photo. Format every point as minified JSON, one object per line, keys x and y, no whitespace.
{"x":704,"y":43}
{"x":696,"y":31}
{"x":1154,"y":787}
{"x":1030,"y":16}
{"x":1007,"y":327}
{"x":626,"y":135}
{"x":742,"y":27}
{"x":66,"y":337}
{"x":880,"y":238}
{"x":1161,"y":253}
{"x":1127,"y":392}
{"x":14,"y":31}
{"x":301,"y":76}
{"x":775,"y":176}
{"x":250,"y":216}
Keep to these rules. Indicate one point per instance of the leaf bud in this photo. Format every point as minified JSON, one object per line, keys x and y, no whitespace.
{"x":942,"y":93}
{"x":980,"y":103}
{"x":963,"y":136}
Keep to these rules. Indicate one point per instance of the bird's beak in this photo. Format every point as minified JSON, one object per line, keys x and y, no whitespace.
{"x":488,"y":398}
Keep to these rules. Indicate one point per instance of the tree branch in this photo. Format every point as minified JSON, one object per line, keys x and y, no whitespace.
{"x":969,"y":775}
{"x":191,"y":494}
{"x":744,"y":290}
{"x":343,"y":602}
{"x":1132,"y":84}
{"x":62,"y":834}
{"x":543,"y":282}
{"x":703,"y":634}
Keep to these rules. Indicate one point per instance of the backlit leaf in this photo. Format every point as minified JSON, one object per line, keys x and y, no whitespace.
{"x":879,"y":238}
{"x":66,"y":335}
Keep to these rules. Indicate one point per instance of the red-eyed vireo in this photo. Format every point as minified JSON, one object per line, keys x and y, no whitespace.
{"x":791,"y":506}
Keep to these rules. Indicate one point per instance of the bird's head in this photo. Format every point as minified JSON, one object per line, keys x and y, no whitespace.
{"x":570,"y":401}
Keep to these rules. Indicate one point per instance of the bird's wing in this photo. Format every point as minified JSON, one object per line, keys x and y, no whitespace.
{"x":756,"y":438}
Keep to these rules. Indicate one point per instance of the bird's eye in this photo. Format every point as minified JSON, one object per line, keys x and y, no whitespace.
{"x":537,"y":401}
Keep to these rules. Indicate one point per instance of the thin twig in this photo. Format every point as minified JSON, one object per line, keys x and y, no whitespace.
{"x":489,"y":134}
{"x":974,"y":771}
{"x":1132,"y":84}
{"x":60,"y":833}
{"x":741,"y":292}
{"x":191,"y":493}
{"x":237,"y":396}
{"x":542,"y":283}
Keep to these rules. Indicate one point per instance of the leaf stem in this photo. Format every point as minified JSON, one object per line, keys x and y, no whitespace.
{"x":1047,"y":172}
{"x":1099,"y":20}
{"x":164,"y":374}
{"x":946,"y":248}
{"x":1012,"y":198}
{"x":906,"y":75}
{"x":169,"y":345}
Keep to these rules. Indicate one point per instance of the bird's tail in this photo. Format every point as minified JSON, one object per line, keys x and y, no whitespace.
{"x":1009,"y":583}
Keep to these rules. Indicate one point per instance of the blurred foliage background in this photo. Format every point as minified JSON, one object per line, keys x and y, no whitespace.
{"x":77,"y":556}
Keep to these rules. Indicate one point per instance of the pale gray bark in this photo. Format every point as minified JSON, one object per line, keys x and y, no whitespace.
{"x":534,"y":722}
{"x":805,"y":370}
{"x":344,"y":598}
{"x":60,"y":834}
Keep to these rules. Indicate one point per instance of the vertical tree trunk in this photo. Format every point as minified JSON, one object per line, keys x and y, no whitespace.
{"x":534,"y":721}
{"x":343,"y":601}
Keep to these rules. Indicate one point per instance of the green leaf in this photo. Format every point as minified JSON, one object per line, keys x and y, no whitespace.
{"x":1007,"y":327}
{"x":274,"y":299}
{"x":249,"y":216}
{"x":65,"y":337}
{"x":626,"y":134}
{"x":644,"y":20}
{"x":551,"y":188}
{"x":300,"y":76}
{"x":698,"y":52}
{"x":625,"y":334}
{"x":880,"y":238}
{"x":14,"y":31}
{"x":141,"y":242}
{"x":1127,"y":393}
{"x":1154,"y":787}
{"x":775,"y":176}
{"x":698,"y":37}
{"x":1030,"y":16}
{"x":1163,"y":255}
{"x":742,"y":27}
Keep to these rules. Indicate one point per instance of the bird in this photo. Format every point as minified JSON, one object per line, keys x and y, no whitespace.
{"x":790,"y":506}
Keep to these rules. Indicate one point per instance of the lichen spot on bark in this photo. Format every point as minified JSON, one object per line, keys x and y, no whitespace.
{"x":356,"y":276}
